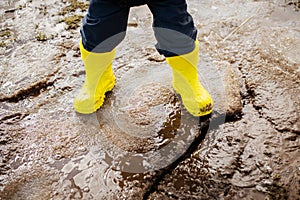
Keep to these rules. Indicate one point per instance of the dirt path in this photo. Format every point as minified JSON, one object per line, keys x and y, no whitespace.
{"x":249,"y":62}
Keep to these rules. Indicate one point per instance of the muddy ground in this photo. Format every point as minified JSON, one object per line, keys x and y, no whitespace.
{"x":142,"y":144}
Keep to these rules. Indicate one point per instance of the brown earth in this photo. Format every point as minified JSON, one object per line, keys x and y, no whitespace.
{"x":141,"y":144}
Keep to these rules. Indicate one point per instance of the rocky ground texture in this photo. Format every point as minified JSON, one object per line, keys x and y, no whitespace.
{"x":248,"y":149}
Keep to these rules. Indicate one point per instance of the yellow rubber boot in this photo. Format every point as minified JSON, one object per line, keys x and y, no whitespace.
{"x":195,"y":97}
{"x":99,"y":79}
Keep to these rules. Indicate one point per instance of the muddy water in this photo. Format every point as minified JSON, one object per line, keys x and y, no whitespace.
{"x":249,"y":63}
{"x":241,"y":160}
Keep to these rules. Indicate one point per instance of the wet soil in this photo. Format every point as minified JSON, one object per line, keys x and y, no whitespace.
{"x":142,"y":144}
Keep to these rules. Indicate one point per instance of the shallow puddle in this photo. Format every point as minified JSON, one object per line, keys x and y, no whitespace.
{"x":248,"y":49}
{"x":145,"y":121}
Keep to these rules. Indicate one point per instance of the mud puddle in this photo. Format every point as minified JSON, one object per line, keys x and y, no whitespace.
{"x":241,"y":159}
{"x":249,"y":63}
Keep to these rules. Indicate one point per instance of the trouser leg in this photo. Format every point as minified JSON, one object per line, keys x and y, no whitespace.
{"x":103,"y":29}
{"x":104,"y":25}
{"x":176,"y":39}
{"x":173,"y":27}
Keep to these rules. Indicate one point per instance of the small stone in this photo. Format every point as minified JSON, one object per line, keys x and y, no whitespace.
{"x":268,"y":169}
{"x":260,"y":188}
{"x":86,"y":189}
{"x":82,"y":149}
{"x":58,"y":157}
{"x":267,"y":182}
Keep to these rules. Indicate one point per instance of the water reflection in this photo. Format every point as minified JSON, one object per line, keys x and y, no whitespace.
{"x":145,"y":121}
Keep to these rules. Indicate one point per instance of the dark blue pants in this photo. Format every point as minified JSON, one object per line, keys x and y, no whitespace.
{"x":104,"y":26}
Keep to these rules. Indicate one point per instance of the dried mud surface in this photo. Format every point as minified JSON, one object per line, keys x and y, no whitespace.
{"x":248,"y":149}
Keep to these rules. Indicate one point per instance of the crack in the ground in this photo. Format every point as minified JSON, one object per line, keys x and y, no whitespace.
{"x":206,"y":123}
{"x":272,"y":123}
{"x":238,"y":161}
{"x":160,"y":176}
{"x":250,"y":98}
{"x":13,"y":118}
{"x":33,"y":90}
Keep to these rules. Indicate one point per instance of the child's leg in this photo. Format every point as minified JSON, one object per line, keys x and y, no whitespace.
{"x":173,"y":27}
{"x":176,"y":36}
{"x":103,"y":29}
{"x":104,"y":26}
